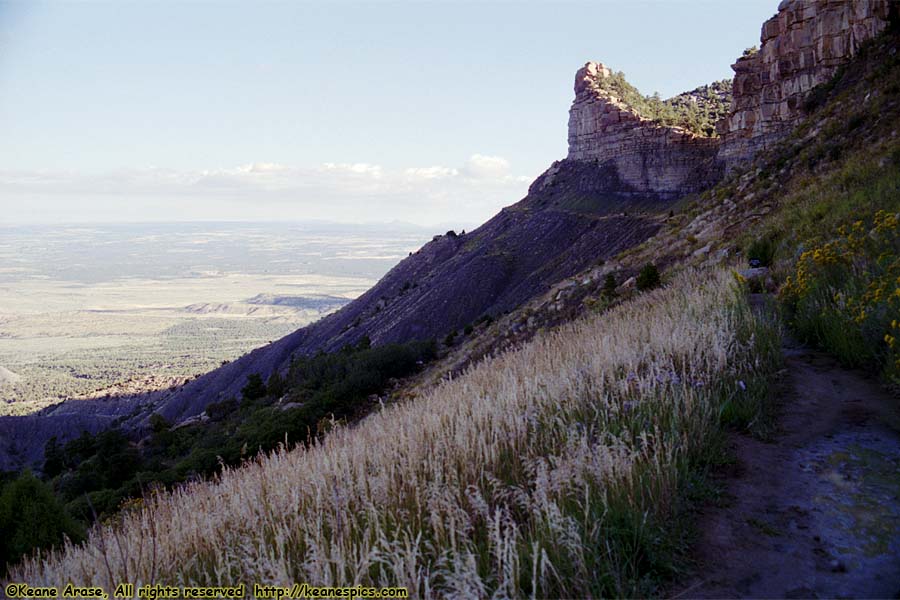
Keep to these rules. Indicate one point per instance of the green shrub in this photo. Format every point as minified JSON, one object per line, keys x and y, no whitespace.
{"x":54,"y":458}
{"x":31,"y":518}
{"x":115,"y":461}
{"x":648,"y":278}
{"x":255,"y":387}
{"x":217,"y":411}
{"x":761,"y":252}
{"x":609,"y":286}
{"x":275,"y":386}
{"x":855,"y":121}
{"x":80,"y":449}
{"x":158,"y":423}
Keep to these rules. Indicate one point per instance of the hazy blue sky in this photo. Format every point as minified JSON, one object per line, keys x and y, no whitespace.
{"x":419,"y":111}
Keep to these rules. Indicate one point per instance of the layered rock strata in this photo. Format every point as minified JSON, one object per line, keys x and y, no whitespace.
{"x":801,"y":47}
{"x":648,"y":157}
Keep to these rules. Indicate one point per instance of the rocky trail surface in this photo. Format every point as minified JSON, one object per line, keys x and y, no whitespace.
{"x":815,"y":511}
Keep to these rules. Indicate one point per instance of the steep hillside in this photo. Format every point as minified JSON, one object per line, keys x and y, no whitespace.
{"x":483,"y":485}
{"x":621,"y":175}
{"x":614,"y":190}
{"x":562,"y":466}
{"x":846,"y":136}
{"x":584,"y":209}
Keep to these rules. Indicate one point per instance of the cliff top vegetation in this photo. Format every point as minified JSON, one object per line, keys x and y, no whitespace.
{"x":698,"y":110}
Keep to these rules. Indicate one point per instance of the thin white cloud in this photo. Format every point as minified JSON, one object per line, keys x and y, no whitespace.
{"x":480,"y":166}
{"x":431,"y":172}
{"x":469,"y":193}
{"x":355,"y":168}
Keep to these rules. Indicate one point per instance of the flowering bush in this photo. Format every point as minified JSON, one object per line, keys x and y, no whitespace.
{"x":845,"y":294}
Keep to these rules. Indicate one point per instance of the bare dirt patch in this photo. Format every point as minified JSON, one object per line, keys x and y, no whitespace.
{"x":815,"y":512}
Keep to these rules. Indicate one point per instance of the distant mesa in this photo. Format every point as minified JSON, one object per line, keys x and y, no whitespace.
{"x":8,"y":377}
{"x":263,"y":305}
{"x":311,"y":302}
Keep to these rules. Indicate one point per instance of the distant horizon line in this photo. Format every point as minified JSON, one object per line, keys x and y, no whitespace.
{"x":314,"y":222}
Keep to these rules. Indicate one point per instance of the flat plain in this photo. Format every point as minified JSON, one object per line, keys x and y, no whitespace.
{"x":87,"y":311}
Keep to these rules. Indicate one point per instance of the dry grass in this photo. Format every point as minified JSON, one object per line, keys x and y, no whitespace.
{"x":537,"y":473}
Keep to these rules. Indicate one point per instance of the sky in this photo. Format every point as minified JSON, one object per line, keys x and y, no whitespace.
{"x":423,"y":112}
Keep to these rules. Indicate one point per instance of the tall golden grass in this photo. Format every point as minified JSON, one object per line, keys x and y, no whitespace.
{"x":539,"y":472}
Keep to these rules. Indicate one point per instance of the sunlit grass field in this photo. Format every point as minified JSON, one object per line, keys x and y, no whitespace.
{"x":546,"y":471}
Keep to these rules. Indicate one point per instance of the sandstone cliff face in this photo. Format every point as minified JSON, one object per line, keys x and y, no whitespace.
{"x":621,"y":171}
{"x":648,"y":157}
{"x":801,"y":47}
{"x":578,"y":212}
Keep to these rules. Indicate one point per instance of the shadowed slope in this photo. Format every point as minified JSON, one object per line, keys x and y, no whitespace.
{"x":559,"y":229}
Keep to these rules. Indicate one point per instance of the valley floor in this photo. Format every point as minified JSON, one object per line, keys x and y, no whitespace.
{"x":814,"y":512}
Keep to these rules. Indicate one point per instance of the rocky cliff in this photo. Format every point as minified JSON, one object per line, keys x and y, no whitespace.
{"x":649,"y":157}
{"x":623,"y":170}
{"x":622,"y":173}
{"x":800,"y":47}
